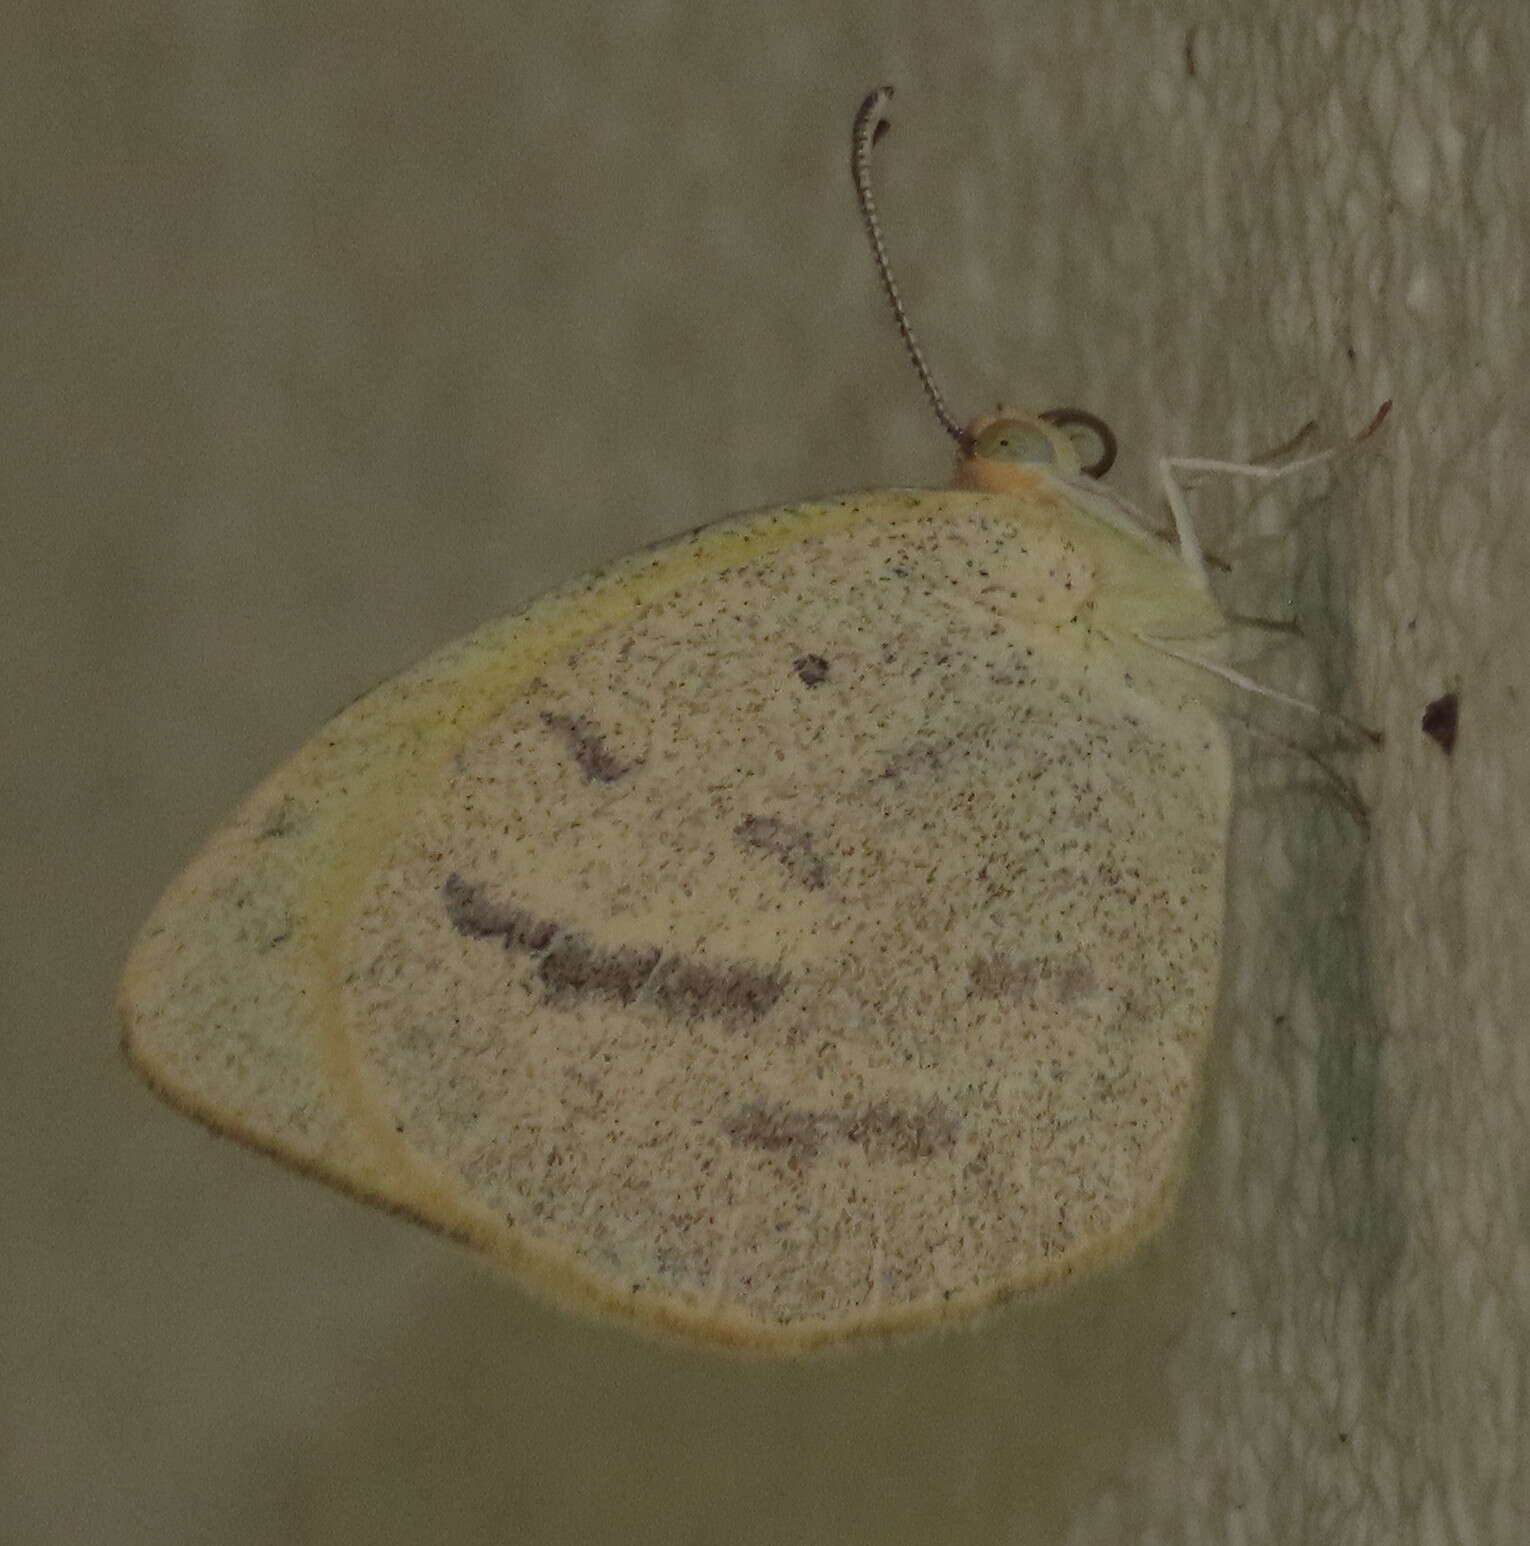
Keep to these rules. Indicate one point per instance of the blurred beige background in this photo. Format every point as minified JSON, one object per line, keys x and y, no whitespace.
{"x":332,"y":329}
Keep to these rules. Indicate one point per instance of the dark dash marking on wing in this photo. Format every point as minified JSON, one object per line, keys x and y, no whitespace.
{"x":792,"y":845}
{"x":882,"y":1130}
{"x":587,"y":746}
{"x":470,"y":912}
{"x":572,"y":967}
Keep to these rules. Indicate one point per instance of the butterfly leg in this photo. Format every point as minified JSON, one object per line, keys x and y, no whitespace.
{"x":1171,"y":467}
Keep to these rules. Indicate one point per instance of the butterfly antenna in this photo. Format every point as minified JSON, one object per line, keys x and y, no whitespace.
{"x":870,"y":126}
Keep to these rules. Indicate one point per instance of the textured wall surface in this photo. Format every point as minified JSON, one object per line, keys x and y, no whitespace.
{"x":333,"y":329}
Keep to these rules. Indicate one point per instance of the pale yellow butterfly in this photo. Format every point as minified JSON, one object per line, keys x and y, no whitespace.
{"x":804,"y":930}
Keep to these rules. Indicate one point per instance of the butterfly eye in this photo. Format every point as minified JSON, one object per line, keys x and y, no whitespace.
{"x":1013,"y":440}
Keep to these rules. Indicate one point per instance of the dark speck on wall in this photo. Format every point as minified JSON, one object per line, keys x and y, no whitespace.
{"x":813,"y":669}
{"x":1442,"y":720}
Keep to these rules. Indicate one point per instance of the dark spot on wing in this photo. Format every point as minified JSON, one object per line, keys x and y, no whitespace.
{"x":918,"y":760}
{"x":279,"y":937}
{"x":1030,"y":980}
{"x":692,"y":990}
{"x":882,"y":1130}
{"x":776,"y":1130}
{"x":571,"y":967}
{"x":792,"y":845}
{"x":283,"y":819}
{"x":1071,"y":980}
{"x":575,"y":967}
{"x":813,"y":669}
{"x":1442,"y":719}
{"x":888,"y":1132}
{"x":470,"y":912}
{"x":993,"y":977}
{"x":587,"y":746}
